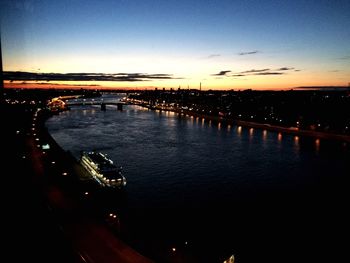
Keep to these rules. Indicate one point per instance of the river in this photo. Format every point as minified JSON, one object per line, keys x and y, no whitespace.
{"x":200,"y":191}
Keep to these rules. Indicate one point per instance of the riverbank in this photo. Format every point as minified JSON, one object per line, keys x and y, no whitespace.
{"x":275,"y":128}
{"x":70,"y":203}
{"x":185,"y":173}
{"x":297,"y":132}
{"x":31,"y":231}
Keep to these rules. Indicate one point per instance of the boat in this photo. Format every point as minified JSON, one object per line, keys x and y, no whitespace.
{"x":102,"y":169}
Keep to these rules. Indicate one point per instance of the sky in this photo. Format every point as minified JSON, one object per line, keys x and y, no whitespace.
{"x":227,"y":44}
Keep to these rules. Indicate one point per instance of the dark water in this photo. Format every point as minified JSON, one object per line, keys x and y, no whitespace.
{"x":211,"y":190}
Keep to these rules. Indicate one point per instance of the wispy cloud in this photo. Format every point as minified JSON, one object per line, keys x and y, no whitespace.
{"x":256,"y":72}
{"x":222,"y":73}
{"x":248,"y":53}
{"x":213,"y":56}
{"x":324,"y":87}
{"x":284,"y":69}
{"x":20,"y":75}
{"x":269,"y":73}
{"x":344,"y":58}
{"x":58,"y":84}
{"x":238,"y":75}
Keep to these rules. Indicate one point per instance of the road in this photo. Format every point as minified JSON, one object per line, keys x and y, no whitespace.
{"x":92,"y":240}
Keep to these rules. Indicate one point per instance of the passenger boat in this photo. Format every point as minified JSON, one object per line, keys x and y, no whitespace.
{"x":102,"y":169}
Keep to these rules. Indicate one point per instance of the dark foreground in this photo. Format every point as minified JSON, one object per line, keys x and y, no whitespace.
{"x":48,"y":217}
{"x":31,"y":231}
{"x":44,"y":225}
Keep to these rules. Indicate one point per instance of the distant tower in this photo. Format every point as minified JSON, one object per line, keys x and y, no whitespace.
{"x":200,"y":86}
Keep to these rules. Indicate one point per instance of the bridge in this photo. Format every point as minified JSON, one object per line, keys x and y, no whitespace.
{"x":60,"y":103}
{"x":103,"y":104}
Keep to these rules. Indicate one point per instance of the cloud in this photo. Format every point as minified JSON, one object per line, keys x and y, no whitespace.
{"x":284,"y":69}
{"x":213,"y":56}
{"x":248,"y":53}
{"x":269,"y":73}
{"x":255,"y":70}
{"x":344,"y":58}
{"x":263,"y":72}
{"x":238,"y":75}
{"x":323,"y":87}
{"x":222,"y":73}
{"x":58,"y":84}
{"x":131,"y":77}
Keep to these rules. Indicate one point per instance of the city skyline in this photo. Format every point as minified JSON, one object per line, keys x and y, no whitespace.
{"x":140,"y":44}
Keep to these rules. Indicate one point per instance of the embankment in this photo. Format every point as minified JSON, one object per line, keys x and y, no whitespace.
{"x":275,"y":128}
{"x":54,"y":170}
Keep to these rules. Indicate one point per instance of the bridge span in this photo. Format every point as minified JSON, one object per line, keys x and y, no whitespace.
{"x":103,"y":104}
{"x":96,"y":103}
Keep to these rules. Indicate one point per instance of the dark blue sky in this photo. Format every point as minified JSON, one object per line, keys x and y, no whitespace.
{"x":191,"y":39}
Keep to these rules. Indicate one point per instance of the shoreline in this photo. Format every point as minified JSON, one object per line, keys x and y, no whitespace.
{"x":275,"y":128}
{"x":89,"y":236}
{"x":73,"y":229}
{"x":297,"y":132}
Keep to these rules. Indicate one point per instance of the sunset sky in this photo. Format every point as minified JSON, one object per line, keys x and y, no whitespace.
{"x":226,"y":44}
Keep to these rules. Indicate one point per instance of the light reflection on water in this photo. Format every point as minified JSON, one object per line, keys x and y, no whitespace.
{"x":192,"y":179}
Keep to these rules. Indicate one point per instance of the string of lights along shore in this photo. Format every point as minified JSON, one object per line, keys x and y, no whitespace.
{"x":226,"y":44}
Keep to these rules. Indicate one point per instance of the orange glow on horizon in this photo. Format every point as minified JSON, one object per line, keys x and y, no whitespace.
{"x":210,"y":84}
{"x":33,"y":85}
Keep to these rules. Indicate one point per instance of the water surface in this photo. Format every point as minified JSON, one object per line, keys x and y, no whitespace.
{"x":211,"y":190}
